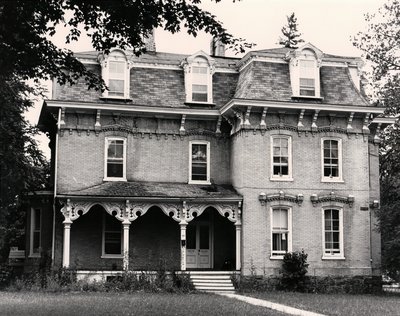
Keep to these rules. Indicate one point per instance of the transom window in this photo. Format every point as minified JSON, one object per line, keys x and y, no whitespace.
{"x":333,"y":232}
{"x":112,"y":236}
{"x":35,"y":232}
{"x":281,"y":157}
{"x":115,"y":160}
{"x":331,"y":159}
{"x":280,"y":227}
{"x":199,"y":162}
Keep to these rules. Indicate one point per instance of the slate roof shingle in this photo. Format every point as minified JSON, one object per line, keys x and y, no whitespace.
{"x":155,"y":189}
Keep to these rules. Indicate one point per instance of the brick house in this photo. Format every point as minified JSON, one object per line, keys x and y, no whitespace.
{"x":209,"y":162}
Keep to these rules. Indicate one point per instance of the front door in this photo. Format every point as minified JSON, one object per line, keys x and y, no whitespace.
{"x":198,"y":241}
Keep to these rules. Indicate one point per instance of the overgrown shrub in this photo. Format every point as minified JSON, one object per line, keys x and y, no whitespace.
{"x":6,"y":275}
{"x":294,"y":269}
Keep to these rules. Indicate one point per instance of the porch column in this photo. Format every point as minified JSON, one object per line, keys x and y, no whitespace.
{"x":183,"y":226}
{"x":67,"y":242}
{"x":238,"y":245}
{"x":126,"y":225}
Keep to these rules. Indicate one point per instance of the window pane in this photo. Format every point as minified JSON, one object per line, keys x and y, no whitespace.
{"x":37,"y":219}
{"x":199,"y":97}
{"x":191,"y":237}
{"x":112,"y":243}
{"x":280,"y":156}
{"x":36,"y":242}
{"x":279,"y":242}
{"x":116,"y":70}
{"x":280,"y":219}
{"x":204,"y":237}
{"x":308,"y":92}
{"x":199,"y":162}
{"x":115,"y":169}
{"x":116,"y":87}
{"x":199,"y":70}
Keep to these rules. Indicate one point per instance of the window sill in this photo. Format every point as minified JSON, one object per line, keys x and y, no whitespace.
{"x":281,"y":179}
{"x":112,"y":257}
{"x":34,"y":255}
{"x":333,"y":258}
{"x":116,"y":99}
{"x":197,"y":103}
{"x":307,"y":97}
{"x":332,"y":180}
{"x":276,"y":257}
{"x":199,"y":182}
{"x":115,"y":179}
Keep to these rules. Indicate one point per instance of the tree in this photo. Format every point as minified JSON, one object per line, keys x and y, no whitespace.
{"x":27,"y":52}
{"x":381,"y":48}
{"x":291,"y":36}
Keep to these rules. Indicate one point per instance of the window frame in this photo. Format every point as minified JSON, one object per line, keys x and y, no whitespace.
{"x":306,"y":53}
{"x":103,"y":243}
{"x":106,"y":178}
{"x":199,"y":142}
{"x":119,"y":57}
{"x":340,"y":255}
{"x":289,"y":232}
{"x":339,"y":178}
{"x":289,"y":176}
{"x":202,"y":61}
{"x":33,"y":231}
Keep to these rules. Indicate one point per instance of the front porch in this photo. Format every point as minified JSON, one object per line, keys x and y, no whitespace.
{"x":145,"y":233}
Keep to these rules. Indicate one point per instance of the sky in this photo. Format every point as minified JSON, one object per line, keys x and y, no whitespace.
{"x":327,"y":24}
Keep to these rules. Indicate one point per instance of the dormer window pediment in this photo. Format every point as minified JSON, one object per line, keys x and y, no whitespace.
{"x":198,"y":71}
{"x":115,"y":71}
{"x":304,"y":64}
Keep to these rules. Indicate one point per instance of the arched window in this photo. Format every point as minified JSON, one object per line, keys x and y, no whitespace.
{"x":115,"y":73}
{"x":198,"y":78}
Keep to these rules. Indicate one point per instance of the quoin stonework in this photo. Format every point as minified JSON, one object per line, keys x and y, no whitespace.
{"x":207,"y":162}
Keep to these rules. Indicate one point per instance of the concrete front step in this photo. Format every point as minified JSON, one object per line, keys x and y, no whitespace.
{"x":212,"y":281}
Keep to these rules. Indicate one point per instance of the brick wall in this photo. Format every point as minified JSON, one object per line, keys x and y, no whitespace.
{"x":251,"y":171}
{"x":150,"y":157}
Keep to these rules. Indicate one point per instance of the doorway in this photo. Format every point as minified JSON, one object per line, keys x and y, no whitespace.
{"x":198,"y":245}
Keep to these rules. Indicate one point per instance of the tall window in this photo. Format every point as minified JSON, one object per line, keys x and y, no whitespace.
{"x":281,"y":231}
{"x":333,"y":233}
{"x":281,"y":158}
{"x":331,"y":160}
{"x":199,"y":162}
{"x":115,"y":160}
{"x":198,"y":78}
{"x":35,"y":232}
{"x":307,"y":77}
{"x":115,"y":72}
{"x":112,"y":236}
{"x":116,"y":79}
{"x":200,"y":84}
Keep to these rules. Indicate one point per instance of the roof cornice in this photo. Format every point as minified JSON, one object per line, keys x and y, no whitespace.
{"x":300,"y":105}
{"x":132,"y":108}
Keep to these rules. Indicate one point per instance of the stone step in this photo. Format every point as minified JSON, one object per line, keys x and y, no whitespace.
{"x":211,"y":281}
{"x":211,"y":272}
{"x":214,"y":288}
{"x":213,"y":277}
{"x":212,"y":284}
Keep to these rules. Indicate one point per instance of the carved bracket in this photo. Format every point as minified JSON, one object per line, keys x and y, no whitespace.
{"x":314,"y":126}
{"x":182,"y":128}
{"x":350,"y":122}
{"x":263,"y":123}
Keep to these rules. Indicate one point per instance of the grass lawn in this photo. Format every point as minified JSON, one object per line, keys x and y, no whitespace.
{"x":33,"y":303}
{"x":337,"y":304}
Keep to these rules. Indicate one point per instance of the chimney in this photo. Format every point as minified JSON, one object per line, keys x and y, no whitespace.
{"x":149,"y":42}
{"x":217,"y":48}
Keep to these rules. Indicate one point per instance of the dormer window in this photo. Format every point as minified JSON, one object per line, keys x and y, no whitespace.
{"x":115,"y":73}
{"x":198,"y":78}
{"x":304,"y":72}
{"x":307,"y":77}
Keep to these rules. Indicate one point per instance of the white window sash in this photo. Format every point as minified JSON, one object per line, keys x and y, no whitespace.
{"x":34,"y":230}
{"x":207,"y":181}
{"x":282,"y":177}
{"x":339,"y":163}
{"x":114,"y":160}
{"x":336,"y":255}
{"x":278,"y":254}
{"x":104,"y":254}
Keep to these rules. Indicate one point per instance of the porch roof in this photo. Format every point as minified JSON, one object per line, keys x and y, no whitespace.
{"x":164,"y":190}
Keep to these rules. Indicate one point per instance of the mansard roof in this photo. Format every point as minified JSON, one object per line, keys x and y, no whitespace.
{"x":157,"y":190}
{"x":261,"y":75}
